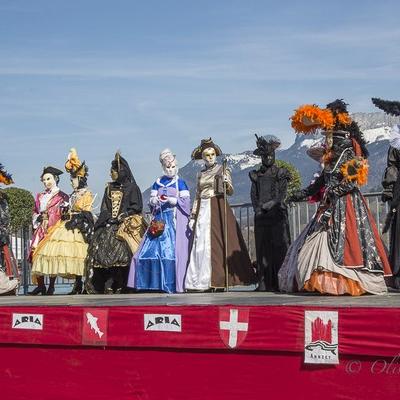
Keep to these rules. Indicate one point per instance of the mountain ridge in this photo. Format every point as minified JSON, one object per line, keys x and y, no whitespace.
{"x":375,"y":127}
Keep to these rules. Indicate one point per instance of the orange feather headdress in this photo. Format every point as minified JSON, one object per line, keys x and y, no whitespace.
{"x":310,"y":118}
{"x":5,"y":177}
{"x":74,"y":166}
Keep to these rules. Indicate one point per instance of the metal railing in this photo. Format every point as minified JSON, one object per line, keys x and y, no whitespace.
{"x":299,"y":215}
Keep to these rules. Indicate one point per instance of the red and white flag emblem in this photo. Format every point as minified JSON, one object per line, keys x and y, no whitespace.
{"x":95,"y":326}
{"x":233,"y":325}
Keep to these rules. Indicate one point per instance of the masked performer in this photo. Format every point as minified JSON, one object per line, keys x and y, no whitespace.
{"x":49,"y":206}
{"x":288,"y":270}
{"x":64,"y":251}
{"x":208,"y":263}
{"x":8,"y":266}
{"x":391,"y":188}
{"x":341,"y":251}
{"x":271,"y":224}
{"x":118,"y":230}
{"x":161,"y":262}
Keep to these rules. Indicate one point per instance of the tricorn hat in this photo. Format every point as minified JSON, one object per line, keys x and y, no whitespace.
{"x":265,"y":144}
{"x":5,"y":177}
{"x":205,"y":144}
{"x":51,"y":170}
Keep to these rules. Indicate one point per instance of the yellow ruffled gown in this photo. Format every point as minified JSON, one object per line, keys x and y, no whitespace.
{"x":64,"y":251}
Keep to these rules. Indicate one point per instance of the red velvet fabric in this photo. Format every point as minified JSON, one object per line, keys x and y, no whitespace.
{"x":195,"y":363}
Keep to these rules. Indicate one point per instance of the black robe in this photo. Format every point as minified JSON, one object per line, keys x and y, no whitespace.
{"x":271,"y":223}
{"x":391,"y":192}
{"x":105,"y":250}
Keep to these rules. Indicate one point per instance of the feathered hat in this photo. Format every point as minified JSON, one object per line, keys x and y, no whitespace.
{"x":265,"y":144}
{"x":310,"y":118}
{"x":5,"y":177}
{"x":74,"y":166}
{"x":388,"y":106}
{"x":205,"y":144}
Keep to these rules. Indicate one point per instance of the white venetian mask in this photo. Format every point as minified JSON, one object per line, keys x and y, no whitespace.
{"x":209,"y":156}
{"x":49,"y":181}
{"x":170,"y":169}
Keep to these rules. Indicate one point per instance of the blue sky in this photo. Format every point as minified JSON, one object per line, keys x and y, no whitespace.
{"x":142,"y":76}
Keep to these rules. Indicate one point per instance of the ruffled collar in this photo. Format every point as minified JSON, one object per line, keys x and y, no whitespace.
{"x":168,"y":183}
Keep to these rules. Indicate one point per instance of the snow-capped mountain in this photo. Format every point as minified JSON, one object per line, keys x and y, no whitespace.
{"x":376,"y":130}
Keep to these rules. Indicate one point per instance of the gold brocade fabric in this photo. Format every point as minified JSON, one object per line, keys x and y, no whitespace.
{"x":81,"y":200}
{"x":116,"y":199}
{"x":207,"y":182}
{"x":132,"y":230}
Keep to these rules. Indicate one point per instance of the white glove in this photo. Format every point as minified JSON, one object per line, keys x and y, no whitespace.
{"x":173,"y":201}
{"x":191,"y":223}
{"x":154,"y":201}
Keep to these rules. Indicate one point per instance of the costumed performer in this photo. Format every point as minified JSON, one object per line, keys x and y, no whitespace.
{"x":391,"y":188}
{"x":65,"y":250}
{"x":8,"y":268}
{"x":271,"y":223}
{"x":118,"y":230}
{"x":341,"y":251}
{"x":49,"y":206}
{"x":160,"y":264}
{"x":213,"y":247}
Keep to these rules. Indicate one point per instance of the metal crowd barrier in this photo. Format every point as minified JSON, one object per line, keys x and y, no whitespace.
{"x":299,"y":215}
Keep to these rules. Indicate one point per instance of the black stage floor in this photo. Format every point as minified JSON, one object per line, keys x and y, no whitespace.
{"x":204,"y":299}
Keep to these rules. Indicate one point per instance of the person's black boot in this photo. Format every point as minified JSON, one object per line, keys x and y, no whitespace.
{"x":38,"y":290}
{"x":78,"y":287}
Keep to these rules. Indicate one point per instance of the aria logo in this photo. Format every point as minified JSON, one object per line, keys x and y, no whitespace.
{"x":163,"y":323}
{"x":27,"y":321}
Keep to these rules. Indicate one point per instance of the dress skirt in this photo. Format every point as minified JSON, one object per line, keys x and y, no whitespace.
{"x":345,"y":256}
{"x":106,"y":251}
{"x":62,"y":252}
{"x":207,"y":257}
{"x":155,"y":266}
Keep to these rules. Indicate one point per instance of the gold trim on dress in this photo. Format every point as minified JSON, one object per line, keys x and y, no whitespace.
{"x":116,"y":200}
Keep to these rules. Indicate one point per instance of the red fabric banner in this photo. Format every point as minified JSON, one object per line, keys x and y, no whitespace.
{"x":361,"y":331}
{"x":194,"y":352}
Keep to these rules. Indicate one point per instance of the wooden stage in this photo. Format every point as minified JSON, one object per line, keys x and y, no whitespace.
{"x":391,"y":300}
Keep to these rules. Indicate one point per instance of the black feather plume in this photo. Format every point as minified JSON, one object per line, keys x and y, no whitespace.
{"x":390,"y":107}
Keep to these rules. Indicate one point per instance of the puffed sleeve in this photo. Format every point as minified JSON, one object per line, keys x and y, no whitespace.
{"x":229,"y":183}
{"x":184,"y":197}
{"x":86,"y":202}
{"x":135,"y":205}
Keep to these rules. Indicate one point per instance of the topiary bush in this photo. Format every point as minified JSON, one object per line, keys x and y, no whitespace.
{"x":21,"y":203}
{"x":295,"y":182}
